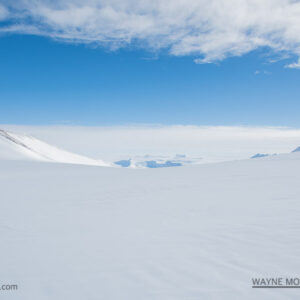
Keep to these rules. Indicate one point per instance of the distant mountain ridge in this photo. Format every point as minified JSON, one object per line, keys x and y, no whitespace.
{"x":259,"y":155}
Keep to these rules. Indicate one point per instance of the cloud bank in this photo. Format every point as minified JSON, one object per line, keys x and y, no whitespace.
{"x":210,"y":29}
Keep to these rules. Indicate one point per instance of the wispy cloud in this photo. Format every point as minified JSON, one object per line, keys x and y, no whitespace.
{"x":295,"y":65}
{"x":264,"y":72}
{"x":210,"y":29}
{"x":3,"y":13}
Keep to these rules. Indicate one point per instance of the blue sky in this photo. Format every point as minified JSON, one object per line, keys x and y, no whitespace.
{"x":46,"y":80}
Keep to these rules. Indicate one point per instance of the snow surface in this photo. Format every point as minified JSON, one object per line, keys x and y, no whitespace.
{"x":195,"y":232}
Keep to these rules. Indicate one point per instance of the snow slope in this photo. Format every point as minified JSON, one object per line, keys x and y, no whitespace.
{"x":30,"y":147}
{"x":195,"y":232}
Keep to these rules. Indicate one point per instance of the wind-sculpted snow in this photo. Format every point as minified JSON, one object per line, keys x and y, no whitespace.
{"x":194,"y":232}
{"x":33,"y":148}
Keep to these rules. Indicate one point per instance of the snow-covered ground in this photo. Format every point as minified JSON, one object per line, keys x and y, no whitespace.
{"x":71,"y":231}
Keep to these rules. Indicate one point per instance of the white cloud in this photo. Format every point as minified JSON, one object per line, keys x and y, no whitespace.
{"x":264,"y":72}
{"x":210,"y":29}
{"x":295,"y":65}
{"x":3,"y":13}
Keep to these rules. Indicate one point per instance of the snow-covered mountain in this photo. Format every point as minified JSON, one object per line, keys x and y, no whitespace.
{"x":260,"y":155}
{"x":23,"y":147}
{"x":296,"y":150}
{"x":18,"y":146}
{"x":157,"y":161}
{"x":161,"y":143}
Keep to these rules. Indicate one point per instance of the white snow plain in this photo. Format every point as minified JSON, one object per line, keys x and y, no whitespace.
{"x":71,"y":231}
